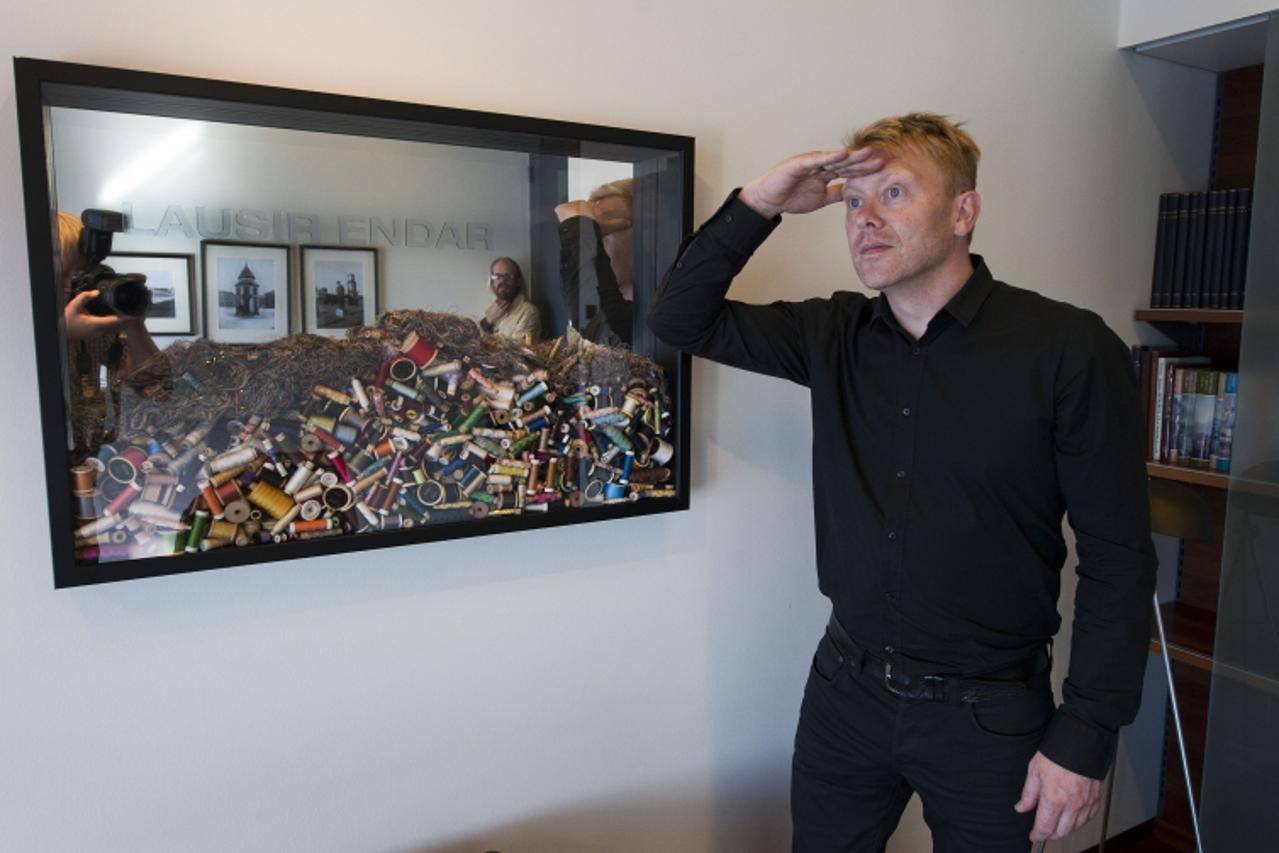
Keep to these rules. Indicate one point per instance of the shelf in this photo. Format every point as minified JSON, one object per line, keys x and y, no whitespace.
{"x":1191,"y":632}
{"x":1189,"y":315}
{"x":1198,"y":476}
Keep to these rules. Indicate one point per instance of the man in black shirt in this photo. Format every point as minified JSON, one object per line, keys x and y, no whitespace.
{"x":956,"y":419}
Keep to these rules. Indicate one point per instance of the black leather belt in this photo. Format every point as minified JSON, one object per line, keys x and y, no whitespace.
{"x":1007,"y":681}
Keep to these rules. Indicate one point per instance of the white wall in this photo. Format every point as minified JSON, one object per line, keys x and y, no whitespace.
{"x":1141,"y":21}
{"x":631,"y":685}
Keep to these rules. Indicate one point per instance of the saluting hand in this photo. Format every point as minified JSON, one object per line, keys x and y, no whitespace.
{"x":804,"y":182}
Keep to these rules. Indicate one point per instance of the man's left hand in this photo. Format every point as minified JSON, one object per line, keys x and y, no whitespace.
{"x":1066,"y":800}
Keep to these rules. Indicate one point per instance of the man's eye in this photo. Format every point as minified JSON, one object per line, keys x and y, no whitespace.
{"x":854,"y":203}
{"x":894,"y":192}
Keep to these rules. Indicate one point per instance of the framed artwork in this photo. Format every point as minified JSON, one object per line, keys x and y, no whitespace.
{"x":171,"y":281}
{"x":270,"y":446}
{"x":339,"y":289}
{"x":246,"y":291}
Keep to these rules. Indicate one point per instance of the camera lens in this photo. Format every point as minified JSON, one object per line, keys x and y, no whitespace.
{"x":126,"y":295}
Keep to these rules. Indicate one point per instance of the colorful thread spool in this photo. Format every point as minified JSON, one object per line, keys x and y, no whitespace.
{"x":420,"y":351}
{"x":126,"y":465}
{"x":269,"y":499}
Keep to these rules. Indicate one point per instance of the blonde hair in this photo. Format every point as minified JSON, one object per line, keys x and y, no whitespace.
{"x":69,"y":258}
{"x":935,"y":137}
{"x":624,"y":188}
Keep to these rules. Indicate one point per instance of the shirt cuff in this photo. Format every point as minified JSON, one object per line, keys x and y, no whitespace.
{"x":1079,"y":746}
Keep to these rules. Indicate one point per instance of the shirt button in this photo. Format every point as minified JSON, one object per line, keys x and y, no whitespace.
{"x":906,"y":412}
{"x":888,"y":596}
{"x":915,"y":351}
{"x":892,"y":534}
{"x":901,"y":475}
{"x":888,"y":650}
{"x":679,"y":265}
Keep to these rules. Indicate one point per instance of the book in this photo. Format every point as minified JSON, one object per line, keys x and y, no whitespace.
{"x":1199,"y":425}
{"x":1222,"y":444}
{"x":1165,"y":361}
{"x":1193,"y":290}
{"x":1213,"y":245}
{"x":1239,"y":261}
{"x":1181,"y":240}
{"x":1158,"y":284}
{"x":1183,"y":389}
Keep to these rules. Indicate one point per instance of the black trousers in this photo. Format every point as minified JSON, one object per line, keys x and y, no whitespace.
{"x":861,"y":751}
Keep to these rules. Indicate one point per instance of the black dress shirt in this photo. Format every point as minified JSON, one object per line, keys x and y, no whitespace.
{"x":942,"y":468}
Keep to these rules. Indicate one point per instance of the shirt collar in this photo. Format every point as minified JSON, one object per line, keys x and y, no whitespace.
{"x":963,"y":306}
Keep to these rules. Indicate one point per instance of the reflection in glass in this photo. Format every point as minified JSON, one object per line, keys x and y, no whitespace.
{"x":361,"y":328}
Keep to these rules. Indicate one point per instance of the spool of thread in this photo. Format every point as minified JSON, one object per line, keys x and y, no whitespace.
{"x":338,"y":498}
{"x":310,"y":444}
{"x":84,"y":478}
{"x":237,"y":511}
{"x":228,"y":492}
{"x":228,"y":476}
{"x":346,"y":434}
{"x":310,"y":526}
{"x":663,"y":452}
{"x":403,"y":369}
{"x":232,"y":459}
{"x":85,"y":506}
{"x":198,"y":524}
{"x":285,"y":520}
{"x":431,"y":493}
{"x":357,"y":388}
{"x":310,"y":493}
{"x":311,"y":510}
{"x":99,"y":553}
{"x":223,"y":530}
{"x":613,"y":491}
{"x":157,"y":514}
{"x":327,"y":438}
{"x":211,"y":499}
{"x":269,"y":499}
{"x":420,"y":351}
{"x":331,"y":394}
{"x":127,"y":496}
{"x":94,"y":528}
{"x":126,"y":465}
{"x":300,"y":475}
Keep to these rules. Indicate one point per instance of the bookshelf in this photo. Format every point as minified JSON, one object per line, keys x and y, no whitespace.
{"x":1189,"y":598}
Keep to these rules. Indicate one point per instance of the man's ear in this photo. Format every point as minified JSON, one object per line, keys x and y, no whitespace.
{"x":967,"y":208}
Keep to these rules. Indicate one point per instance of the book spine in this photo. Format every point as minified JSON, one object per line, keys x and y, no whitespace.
{"x":1217,"y":409}
{"x":1201,"y":421}
{"x":1195,"y":259}
{"x":1240,"y":263}
{"x":1226,"y":435}
{"x":1176,"y":417}
{"x":1188,"y":395}
{"x":1157,"y":407}
{"x":1228,"y":262}
{"x":1182,"y":242}
{"x":1158,"y":285}
{"x":1212,"y":267}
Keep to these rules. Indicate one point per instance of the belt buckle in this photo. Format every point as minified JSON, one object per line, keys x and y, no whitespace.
{"x":888,"y":680}
{"x":915,"y":685}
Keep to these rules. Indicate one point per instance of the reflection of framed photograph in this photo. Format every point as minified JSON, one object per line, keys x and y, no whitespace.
{"x":339,"y":289}
{"x":171,"y":280}
{"x":246,"y":291}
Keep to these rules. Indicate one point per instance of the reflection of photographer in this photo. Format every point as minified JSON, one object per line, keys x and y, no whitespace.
{"x":105,"y":323}
{"x":595,"y":254}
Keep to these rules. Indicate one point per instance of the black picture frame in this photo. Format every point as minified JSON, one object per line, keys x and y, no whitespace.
{"x":219,"y":260}
{"x":320,"y":314}
{"x":186,"y":309}
{"x":664,"y":163}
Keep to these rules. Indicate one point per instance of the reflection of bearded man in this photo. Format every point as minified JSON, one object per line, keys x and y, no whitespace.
{"x":511,"y":315}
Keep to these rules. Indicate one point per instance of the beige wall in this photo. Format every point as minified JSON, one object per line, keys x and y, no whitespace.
{"x":630,"y":685}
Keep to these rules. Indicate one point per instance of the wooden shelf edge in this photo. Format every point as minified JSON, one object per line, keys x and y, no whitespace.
{"x":1189,"y":315}
{"x":1181,"y":654}
{"x":1198,"y":476}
